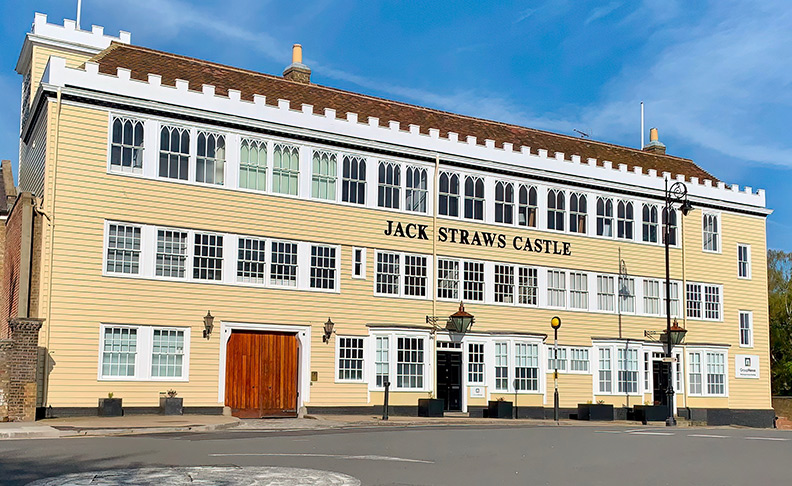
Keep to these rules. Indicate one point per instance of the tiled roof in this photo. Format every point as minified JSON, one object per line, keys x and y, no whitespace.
{"x":143,"y":61}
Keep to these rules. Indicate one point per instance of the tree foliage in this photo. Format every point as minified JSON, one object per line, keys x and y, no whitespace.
{"x":779,"y":282}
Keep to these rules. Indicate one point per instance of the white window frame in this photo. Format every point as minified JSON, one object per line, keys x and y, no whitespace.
{"x":363,"y":361}
{"x":416,"y":196}
{"x":557,"y":195}
{"x":321,"y":179}
{"x":614,"y":349}
{"x":716,"y":241}
{"x":626,"y":221}
{"x":143,"y":355}
{"x":402,"y":265}
{"x":483,"y":363}
{"x":747,"y":262}
{"x":571,"y":358}
{"x":457,"y":280}
{"x":207,"y":134}
{"x":578,"y":293}
{"x":476,"y":200}
{"x":563,"y":358}
{"x":106,"y":248}
{"x":748,"y":315}
{"x":336,"y":258}
{"x":260,"y":145}
{"x":504,"y":207}
{"x":719,"y":304}
{"x":603,"y":217}
{"x":650,"y":219}
{"x":578,"y":214}
{"x":394,"y":358}
{"x":704,"y":371}
{"x":120,"y":169}
{"x":362,"y":274}
{"x":526,"y":208}
{"x":626,"y":296}
{"x":602,"y":293}
{"x":350,"y":182}
{"x":450,"y":195}
{"x":563,"y":289}
{"x":652,"y":299}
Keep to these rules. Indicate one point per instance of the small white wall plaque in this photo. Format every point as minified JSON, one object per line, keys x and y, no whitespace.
{"x":746,"y":366}
{"x":477,"y":392}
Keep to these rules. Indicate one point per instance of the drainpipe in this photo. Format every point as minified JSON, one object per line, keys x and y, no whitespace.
{"x":435,"y":200}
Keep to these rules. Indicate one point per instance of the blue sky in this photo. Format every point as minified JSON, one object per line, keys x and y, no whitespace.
{"x":716,"y":77}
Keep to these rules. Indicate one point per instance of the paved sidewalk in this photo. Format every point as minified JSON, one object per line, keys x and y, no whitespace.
{"x":322,"y":422}
{"x":129,"y":424}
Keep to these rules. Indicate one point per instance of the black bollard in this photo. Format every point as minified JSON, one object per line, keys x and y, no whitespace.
{"x":385,"y":404}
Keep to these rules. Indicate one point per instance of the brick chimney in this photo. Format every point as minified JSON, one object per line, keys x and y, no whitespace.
{"x":654,"y":146}
{"x":297,"y":71}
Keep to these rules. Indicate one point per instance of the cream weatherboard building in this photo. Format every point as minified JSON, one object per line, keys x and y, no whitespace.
{"x":168,"y":188}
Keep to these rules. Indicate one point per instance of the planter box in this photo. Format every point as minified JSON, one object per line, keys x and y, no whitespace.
{"x":500,"y":409}
{"x":430,"y":407}
{"x":110,"y":407}
{"x":171,"y":406}
{"x":651,"y":413}
{"x":595,"y":411}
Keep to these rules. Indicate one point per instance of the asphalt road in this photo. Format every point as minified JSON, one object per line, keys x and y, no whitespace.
{"x":467,"y":455}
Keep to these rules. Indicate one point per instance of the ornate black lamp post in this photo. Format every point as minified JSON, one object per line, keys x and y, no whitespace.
{"x":676,"y":194}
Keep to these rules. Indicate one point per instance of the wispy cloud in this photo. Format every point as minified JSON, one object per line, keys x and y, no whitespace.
{"x":601,"y":12}
{"x":525,"y":14}
{"x":712,"y":84}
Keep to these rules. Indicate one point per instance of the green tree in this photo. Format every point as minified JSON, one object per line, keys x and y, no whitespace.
{"x":779,"y":283}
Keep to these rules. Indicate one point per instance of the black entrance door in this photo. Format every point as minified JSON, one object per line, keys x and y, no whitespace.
{"x":660,"y":375}
{"x":449,"y":379}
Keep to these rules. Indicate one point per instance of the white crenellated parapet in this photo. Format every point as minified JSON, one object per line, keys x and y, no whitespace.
{"x":68,"y":32}
{"x":451,"y":145}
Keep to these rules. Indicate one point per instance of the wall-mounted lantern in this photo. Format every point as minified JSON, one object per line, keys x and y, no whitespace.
{"x":208,"y":324}
{"x":328,"y":330}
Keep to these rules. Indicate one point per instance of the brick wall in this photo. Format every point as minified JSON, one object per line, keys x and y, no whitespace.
{"x":5,"y":377}
{"x":9,"y":285}
{"x":21,"y":365}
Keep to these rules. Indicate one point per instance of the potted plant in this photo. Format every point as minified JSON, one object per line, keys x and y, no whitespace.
{"x":651,"y":412}
{"x":110,"y":407}
{"x":595,"y":411}
{"x":170,"y":405}
{"x":500,"y":408}
{"x":430,"y":407}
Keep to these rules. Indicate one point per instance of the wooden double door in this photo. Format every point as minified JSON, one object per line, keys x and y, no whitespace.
{"x":261,"y":374}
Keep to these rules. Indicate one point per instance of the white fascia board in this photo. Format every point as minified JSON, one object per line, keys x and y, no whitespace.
{"x":58,"y":74}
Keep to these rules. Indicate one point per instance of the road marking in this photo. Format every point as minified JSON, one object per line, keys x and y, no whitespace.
{"x":609,"y":431}
{"x":767,"y":438}
{"x":651,"y":433}
{"x":337,"y":456}
{"x":709,"y":436}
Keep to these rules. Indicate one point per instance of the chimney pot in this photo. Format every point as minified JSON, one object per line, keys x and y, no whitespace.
{"x":654,"y":146}
{"x":297,"y":71}
{"x":296,"y":54}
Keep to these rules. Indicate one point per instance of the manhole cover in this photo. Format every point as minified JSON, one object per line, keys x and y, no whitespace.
{"x":231,"y":476}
